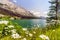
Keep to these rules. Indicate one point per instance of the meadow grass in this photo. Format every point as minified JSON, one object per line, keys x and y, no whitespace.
{"x":50,"y":32}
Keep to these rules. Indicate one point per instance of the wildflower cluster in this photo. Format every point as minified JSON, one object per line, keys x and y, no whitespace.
{"x":44,"y":37}
{"x":10,"y":31}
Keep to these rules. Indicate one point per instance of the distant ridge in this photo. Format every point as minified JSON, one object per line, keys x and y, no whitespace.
{"x":9,"y":8}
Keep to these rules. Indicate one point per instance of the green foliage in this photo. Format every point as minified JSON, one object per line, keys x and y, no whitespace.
{"x":52,"y":9}
{"x":50,"y":30}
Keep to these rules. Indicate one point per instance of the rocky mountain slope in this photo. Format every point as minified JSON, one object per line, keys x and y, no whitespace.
{"x":9,"y":8}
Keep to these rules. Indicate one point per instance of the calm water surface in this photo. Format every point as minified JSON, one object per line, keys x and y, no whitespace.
{"x":31,"y":22}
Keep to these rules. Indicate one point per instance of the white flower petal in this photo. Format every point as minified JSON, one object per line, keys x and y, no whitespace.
{"x":12,"y":18}
{"x":34,"y":32}
{"x":30,"y":34}
{"x":24,"y":39}
{"x":53,"y":30}
{"x":25,"y":29}
{"x":44,"y":37}
{"x":16,"y":36}
{"x":13,"y":31}
{"x":4,"y":22}
{"x":11,"y":26}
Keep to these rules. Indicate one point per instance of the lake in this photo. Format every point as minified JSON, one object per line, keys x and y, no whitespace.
{"x":31,"y":22}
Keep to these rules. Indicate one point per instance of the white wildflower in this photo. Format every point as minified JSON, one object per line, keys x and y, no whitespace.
{"x":9,"y":31}
{"x":25,"y":29}
{"x":34,"y":32}
{"x":24,"y":39}
{"x":20,"y":36}
{"x":6,"y":33}
{"x":4,"y":22}
{"x":12,"y":18}
{"x":27,"y":32}
{"x":53,"y":30}
{"x":11,"y":26}
{"x":13,"y":31}
{"x":44,"y":37}
{"x":6,"y":28}
{"x":16,"y":36}
{"x":30,"y":34}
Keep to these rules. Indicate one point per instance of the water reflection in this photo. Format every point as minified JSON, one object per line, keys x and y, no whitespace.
{"x":31,"y":22}
{"x":39,"y":22}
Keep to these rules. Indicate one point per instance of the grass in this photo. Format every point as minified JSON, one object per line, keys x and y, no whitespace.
{"x":51,"y":31}
{"x":53,"y":34}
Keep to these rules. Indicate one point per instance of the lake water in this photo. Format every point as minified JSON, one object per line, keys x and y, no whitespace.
{"x":31,"y":22}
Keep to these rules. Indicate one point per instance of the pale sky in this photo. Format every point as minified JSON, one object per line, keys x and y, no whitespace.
{"x":39,"y":5}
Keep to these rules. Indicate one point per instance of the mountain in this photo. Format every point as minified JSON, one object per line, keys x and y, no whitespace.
{"x":9,"y":8}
